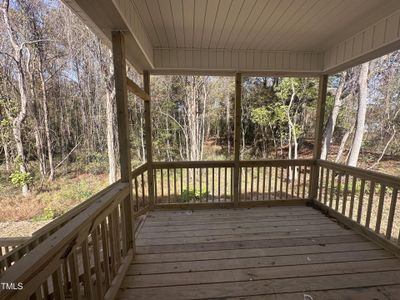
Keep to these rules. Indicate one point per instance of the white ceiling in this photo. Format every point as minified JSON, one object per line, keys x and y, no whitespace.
{"x":310,"y":25}
{"x":252,"y":35}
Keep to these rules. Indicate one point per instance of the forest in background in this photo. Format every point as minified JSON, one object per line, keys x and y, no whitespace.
{"x":58,"y":137}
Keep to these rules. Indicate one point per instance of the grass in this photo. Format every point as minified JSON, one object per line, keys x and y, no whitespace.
{"x":50,"y":200}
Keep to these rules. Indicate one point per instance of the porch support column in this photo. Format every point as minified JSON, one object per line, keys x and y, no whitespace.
{"x":319,"y":124}
{"x":149,"y":138}
{"x":121,"y":95}
{"x":237,"y":127}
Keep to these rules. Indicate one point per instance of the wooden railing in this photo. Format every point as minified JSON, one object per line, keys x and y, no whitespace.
{"x":43,"y":233}
{"x":368,"y":199}
{"x":82,"y":259}
{"x":140,"y":189}
{"x":206,"y":182}
{"x":10,"y":243}
{"x":275,"y":180}
{"x":193,"y":182}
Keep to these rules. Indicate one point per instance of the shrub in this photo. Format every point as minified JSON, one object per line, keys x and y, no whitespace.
{"x":188,"y":195}
{"x":19,"y":178}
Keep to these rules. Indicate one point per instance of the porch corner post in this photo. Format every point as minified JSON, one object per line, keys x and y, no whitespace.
{"x":121,"y":95}
{"x":237,"y":128}
{"x":149,"y":139}
{"x":319,"y":126}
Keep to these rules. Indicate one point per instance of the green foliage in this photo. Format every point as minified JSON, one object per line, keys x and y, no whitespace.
{"x":48,"y":214}
{"x":78,"y":192}
{"x":93,"y":163}
{"x":271,"y":115}
{"x":19,"y":178}
{"x":188,"y":195}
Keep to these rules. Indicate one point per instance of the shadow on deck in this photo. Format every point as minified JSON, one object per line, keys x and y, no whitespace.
{"x":257,"y":253}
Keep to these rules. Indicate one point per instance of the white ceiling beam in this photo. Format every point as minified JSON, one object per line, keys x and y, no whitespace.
{"x":220,"y":61}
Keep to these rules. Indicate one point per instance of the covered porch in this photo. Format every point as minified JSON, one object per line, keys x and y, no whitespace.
{"x":295,"y":229}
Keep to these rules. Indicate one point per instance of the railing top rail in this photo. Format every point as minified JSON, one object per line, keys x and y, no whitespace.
{"x":46,"y":257}
{"x":55,"y":224}
{"x":378,"y":177}
{"x":276,"y":162}
{"x":193,"y":164}
{"x":12,"y":241}
{"x":139,"y":169}
{"x":231,"y":163}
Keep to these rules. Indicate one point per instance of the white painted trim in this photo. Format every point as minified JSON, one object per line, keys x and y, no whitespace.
{"x":168,"y":61}
{"x":136,"y":28}
{"x":374,"y":41}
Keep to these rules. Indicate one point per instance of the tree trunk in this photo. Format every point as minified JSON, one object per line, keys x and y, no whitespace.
{"x":343,"y":144}
{"x":330,"y":127}
{"x":22,"y":88}
{"x":362,"y":110}
{"x":46,"y":121}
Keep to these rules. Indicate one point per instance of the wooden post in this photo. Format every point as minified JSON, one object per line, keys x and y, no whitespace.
{"x":319,"y":125}
{"x":149,"y":138}
{"x":121,"y":95}
{"x":237,"y":126}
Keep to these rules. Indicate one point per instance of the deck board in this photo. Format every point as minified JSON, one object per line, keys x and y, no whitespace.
{"x":258,"y":253}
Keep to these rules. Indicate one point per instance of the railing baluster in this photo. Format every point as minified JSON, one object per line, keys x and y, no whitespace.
{"x":370,"y":200}
{"x":392,"y":211}
{"x":360,"y":201}
{"x":117,"y":241}
{"x":281,"y":184}
{"x":88,"y":284}
{"x":269,"y":182}
{"x":353,"y":192}
{"x":294,"y":171}
{"x":58,"y":289}
{"x":328,"y":171}
{"x":97,"y":265}
{"x":136,"y":194}
{"x":187,"y":181}
{"x":345,"y":192}
{"x":332,"y":189}
{"x":298,"y":181}
{"x":380,"y":209}
{"x":106,"y":255}
{"x":175,"y":191}
{"x":73,"y":268}
{"x":226,"y":184}
{"x":213,"y":185}
{"x":245,"y":183}
{"x":263,"y":184}
{"x":251,"y":183}
{"x":155,"y":171}
{"x":258,"y":183}
{"x":168,"y":186}
{"x":321,"y":180}
{"x":201,"y":184}
{"x":162,"y":184}
{"x":276,"y":183}
{"x":207,"y":189}
{"x":181,"y":179}
{"x":287,"y":183}
{"x":112,"y":245}
{"x":143,"y":191}
{"x":305,"y":181}
{"x":219,"y":184}
{"x":338,"y":190}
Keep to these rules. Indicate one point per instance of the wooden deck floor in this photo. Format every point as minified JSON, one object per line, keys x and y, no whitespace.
{"x":258,"y":253}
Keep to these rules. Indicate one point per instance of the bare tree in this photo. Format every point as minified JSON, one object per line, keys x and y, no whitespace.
{"x":361,"y":113}
{"x":18,"y":58}
{"x":330,"y":126}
